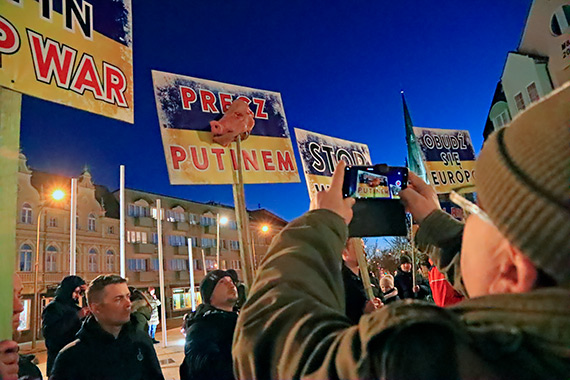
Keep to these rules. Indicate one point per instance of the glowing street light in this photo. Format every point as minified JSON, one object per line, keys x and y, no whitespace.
{"x":265,"y":228}
{"x":58,"y":195}
{"x":223,"y":221}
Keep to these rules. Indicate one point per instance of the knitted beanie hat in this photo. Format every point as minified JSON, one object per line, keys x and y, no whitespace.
{"x":209,"y":283}
{"x":523,"y":183}
{"x":405,"y":259}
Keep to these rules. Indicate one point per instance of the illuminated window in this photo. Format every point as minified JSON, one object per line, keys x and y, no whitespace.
{"x":25,"y":258}
{"x":92,"y":264}
{"x":519,"y":100}
{"x":110,"y":261}
{"x":532,"y":92}
{"x":26,"y":214}
{"x":51,"y":259}
{"x":91,"y":222}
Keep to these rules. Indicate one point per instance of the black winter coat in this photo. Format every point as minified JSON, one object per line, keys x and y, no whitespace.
{"x":97,"y":355}
{"x":208,"y":348}
{"x":404,"y":283}
{"x":354,"y":294}
{"x":60,"y":319}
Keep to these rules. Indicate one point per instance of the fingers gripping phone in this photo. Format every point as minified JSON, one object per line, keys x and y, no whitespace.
{"x":378,"y":210}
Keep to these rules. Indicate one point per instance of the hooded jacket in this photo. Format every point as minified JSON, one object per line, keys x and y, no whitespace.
{"x":293,"y":325}
{"x":98,"y":355}
{"x":207,"y":352}
{"x":60,"y":319}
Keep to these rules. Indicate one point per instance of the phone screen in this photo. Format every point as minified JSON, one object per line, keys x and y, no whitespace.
{"x":375,"y":182}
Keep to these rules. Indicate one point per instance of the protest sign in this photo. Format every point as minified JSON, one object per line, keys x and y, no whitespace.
{"x":449,"y":157}
{"x":187,"y":107}
{"x":320,"y":154}
{"x":76,"y":53}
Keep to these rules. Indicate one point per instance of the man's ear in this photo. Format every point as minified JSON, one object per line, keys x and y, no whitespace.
{"x":94,"y":307}
{"x":516,"y":273}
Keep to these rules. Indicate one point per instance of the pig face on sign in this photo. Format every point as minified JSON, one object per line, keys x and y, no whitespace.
{"x":237,"y":121}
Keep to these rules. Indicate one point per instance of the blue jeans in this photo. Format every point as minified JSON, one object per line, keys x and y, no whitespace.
{"x":152,"y":330}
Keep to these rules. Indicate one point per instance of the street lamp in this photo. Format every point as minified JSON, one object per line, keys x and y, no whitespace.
{"x":264,"y":229}
{"x":56,"y":195}
{"x":223,"y":220}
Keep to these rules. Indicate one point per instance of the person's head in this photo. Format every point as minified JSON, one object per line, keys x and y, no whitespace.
{"x":387,"y":283}
{"x":425,"y":267}
{"x":18,"y":306}
{"x":520,"y":240}
{"x":151,"y":291}
{"x":218,"y":289}
{"x":349,"y":251}
{"x":109,"y":300}
{"x":71,"y":288}
{"x":405,"y":263}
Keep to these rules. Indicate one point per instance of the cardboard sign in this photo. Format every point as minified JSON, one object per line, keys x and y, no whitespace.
{"x":187,"y":105}
{"x":449,"y":157}
{"x":76,"y":53}
{"x":320,"y":154}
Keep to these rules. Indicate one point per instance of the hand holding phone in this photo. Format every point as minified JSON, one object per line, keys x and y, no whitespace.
{"x":332,"y":199}
{"x":376,"y":189}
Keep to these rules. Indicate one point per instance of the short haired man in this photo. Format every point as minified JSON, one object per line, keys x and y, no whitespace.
{"x":210,"y":330}
{"x":357,"y":303}
{"x":62,"y":317}
{"x":108,"y":346}
{"x":514,"y":263}
{"x":12,"y":365}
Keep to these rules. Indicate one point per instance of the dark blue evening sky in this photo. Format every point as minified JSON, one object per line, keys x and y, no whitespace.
{"x":339,"y":66}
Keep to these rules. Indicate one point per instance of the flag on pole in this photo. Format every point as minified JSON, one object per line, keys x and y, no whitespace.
{"x":414,"y":159}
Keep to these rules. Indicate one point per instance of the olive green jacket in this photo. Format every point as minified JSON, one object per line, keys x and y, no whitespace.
{"x":293,"y":324}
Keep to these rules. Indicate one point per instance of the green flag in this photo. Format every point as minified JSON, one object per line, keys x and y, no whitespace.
{"x":414,"y":159}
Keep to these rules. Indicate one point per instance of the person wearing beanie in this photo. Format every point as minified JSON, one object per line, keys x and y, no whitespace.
{"x":403,"y":281}
{"x":241,"y":288}
{"x":389,"y":292}
{"x":511,"y":257}
{"x":62,"y":317}
{"x":210,"y":330}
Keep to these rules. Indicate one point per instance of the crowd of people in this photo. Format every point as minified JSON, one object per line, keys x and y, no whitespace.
{"x":497,"y":289}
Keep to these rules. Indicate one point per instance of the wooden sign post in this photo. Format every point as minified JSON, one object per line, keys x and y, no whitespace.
{"x":363,"y":266}
{"x":10,"y":111}
{"x":242,"y":219}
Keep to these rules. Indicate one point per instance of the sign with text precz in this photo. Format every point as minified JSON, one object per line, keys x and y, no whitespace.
{"x":320,"y":154}
{"x":185,"y":107}
{"x":449,"y":157}
{"x":76,"y":53}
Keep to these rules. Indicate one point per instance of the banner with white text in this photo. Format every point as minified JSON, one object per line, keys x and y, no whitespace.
{"x":320,"y":154}
{"x":449,"y":157}
{"x":76,"y":53}
{"x":187,"y":109}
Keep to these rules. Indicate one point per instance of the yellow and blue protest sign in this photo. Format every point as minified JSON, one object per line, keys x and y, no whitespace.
{"x":449,"y":157}
{"x":76,"y":53}
{"x":320,"y":154}
{"x":188,"y":106}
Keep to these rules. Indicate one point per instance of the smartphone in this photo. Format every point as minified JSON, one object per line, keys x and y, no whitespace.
{"x":378,"y":210}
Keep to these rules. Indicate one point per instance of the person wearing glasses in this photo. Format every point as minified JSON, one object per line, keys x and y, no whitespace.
{"x":512,"y":258}
{"x":62,"y":317}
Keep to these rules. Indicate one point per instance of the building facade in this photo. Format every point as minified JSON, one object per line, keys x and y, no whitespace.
{"x":540,"y":64}
{"x":187,"y":227}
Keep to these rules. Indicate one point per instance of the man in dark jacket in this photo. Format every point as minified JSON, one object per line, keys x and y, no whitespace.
{"x":357,"y":303}
{"x":513,"y":262}
{"x":61,"y":319}
{"x":403,"y":281}
{"x":108,"y":346}
{"x":210,"y":331}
